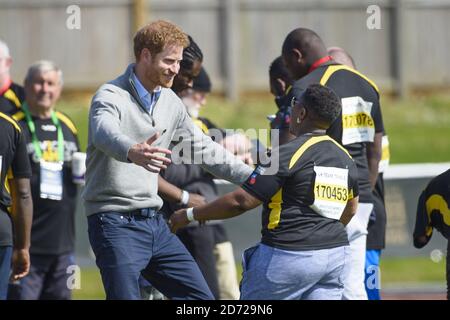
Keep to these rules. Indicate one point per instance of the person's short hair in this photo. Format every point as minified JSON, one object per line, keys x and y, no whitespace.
{"x":321,"y":100}
{"x":277,"y":69}
{"x":4,"y":49}
{"x":42,"y":66}
{"x":202,"y":83}
{"x":157,"y":35}
{"x":302,"y":39}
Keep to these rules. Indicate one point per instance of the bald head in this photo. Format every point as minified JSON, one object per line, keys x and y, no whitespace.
{"x":5,"y":64}
{"x":341,"y":56}
{"x":301,"y":48}
{"x":305,"y":40}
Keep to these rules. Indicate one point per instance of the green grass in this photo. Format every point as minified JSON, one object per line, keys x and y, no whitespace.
{"x":418,"y":127}
{"x":91,"y":285}
{"x":412,"y":270}
{"x":394,"y":271}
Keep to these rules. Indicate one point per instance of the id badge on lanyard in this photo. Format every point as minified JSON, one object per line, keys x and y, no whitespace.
{"x":51,"y":184}
{"x":51,"y":180}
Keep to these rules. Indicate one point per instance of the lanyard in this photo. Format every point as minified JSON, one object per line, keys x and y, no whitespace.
{"x":316,"y":64}
{"x":34,"y":138}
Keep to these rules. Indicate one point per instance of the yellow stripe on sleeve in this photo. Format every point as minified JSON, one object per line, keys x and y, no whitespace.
{"x":67,"y":122}
{"x":438,"y":203}
{"x":333,"y":68}
{"x":11,"y":95}
{"x":312,"y":141}
{"x":275,"y":209}
{"x":10,"y":120}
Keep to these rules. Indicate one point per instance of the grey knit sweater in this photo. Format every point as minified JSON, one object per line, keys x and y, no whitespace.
{"x":118,"y":120}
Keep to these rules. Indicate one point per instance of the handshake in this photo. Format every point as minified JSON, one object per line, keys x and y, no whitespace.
{"x":182,"y":218}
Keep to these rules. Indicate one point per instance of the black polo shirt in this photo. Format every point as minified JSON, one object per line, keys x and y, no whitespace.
{"x":53,"y":229}
{"x":304,"y":200}
{"x":13,"y":163}
{"x":11,"y":99}
{"x":360,"y":118}
{"x":433,"y":209}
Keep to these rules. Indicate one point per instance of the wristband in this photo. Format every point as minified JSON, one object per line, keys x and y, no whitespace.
{"x":190,"y":214}
{"x":184,"y":198}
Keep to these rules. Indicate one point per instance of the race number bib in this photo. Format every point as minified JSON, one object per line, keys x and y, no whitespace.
{"x":330,"y":191}
{"x":51,"y":180}
{"x":357,"y":122}
{"x":385,"y":155}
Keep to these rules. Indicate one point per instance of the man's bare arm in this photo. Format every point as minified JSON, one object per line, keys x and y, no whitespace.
{"x":228,"y":206}
{"x":22,"y":218}
{"x":172,"y":193}
{"x":374,"y":151}
{"x":349,"y":211}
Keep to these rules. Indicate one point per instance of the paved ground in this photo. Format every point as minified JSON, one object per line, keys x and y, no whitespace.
{"x":414,"y":296}
{"x":432,"y":291}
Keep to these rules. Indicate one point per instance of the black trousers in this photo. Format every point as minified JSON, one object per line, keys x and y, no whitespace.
{"x":200,"y":242}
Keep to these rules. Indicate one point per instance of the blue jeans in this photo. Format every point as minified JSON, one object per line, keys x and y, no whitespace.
{"x":5,"y":269}
{"x":372,"y":274}
{"x":274,"y":274}
{"x":127,"y":245}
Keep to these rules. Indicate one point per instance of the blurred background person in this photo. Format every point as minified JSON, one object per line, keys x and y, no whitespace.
{"x":51,"y":139}
{"x":15,"y":228}
{"x":376,"y":230}
{"x":12,"y":95}
{"x":433,"y":211}
{"x":280,"y":86}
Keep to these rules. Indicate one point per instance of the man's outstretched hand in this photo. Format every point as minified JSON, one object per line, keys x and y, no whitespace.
{"x":149,"y":157}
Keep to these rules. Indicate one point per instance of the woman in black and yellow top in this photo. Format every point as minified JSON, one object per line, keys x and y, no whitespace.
{"x":306,"y":205}
{"x":433,"y":211}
